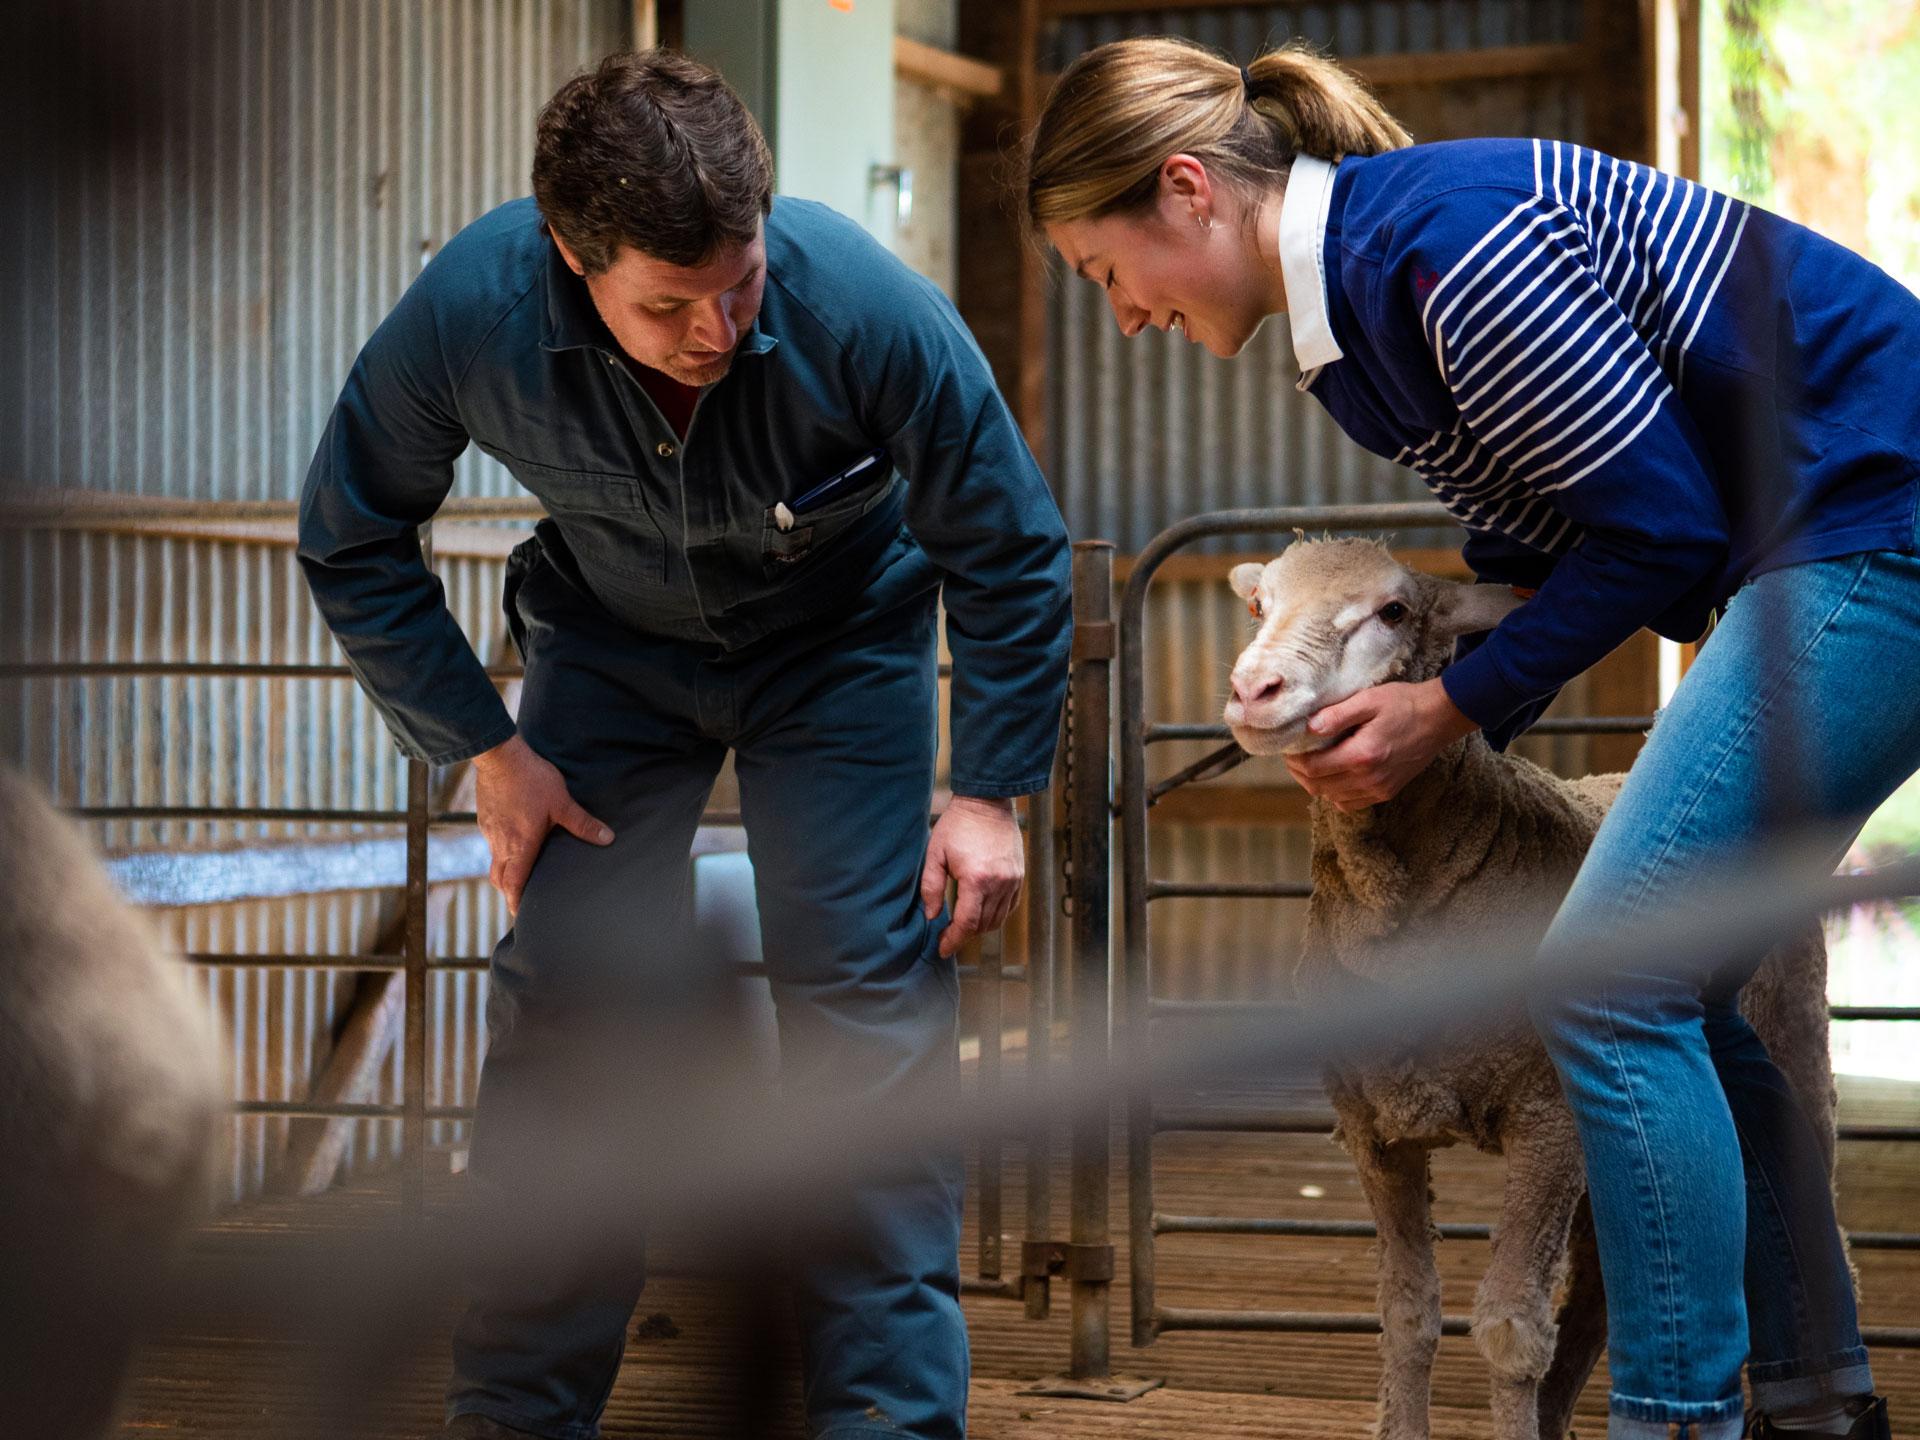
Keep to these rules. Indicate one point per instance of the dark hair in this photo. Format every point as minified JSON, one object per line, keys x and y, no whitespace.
{"x":653,"y":150}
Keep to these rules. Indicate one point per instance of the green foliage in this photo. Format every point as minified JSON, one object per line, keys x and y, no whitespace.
{"x":1894,"y":829}
{"x":1824,"y":89}
{"x":1751,"y":82}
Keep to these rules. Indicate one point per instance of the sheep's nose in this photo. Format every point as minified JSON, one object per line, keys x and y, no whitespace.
{"x":1252,"y":692}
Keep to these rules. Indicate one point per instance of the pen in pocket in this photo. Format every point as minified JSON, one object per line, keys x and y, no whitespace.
{"x":784,"y":512}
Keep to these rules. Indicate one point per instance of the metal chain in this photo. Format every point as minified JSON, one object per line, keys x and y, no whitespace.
{"x":1066,"y":829}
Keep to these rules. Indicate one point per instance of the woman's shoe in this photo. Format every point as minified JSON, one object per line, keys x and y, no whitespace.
{"x":1867,"y":1420}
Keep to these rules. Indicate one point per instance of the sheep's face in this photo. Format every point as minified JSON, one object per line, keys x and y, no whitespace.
{"x":1333,"y":618}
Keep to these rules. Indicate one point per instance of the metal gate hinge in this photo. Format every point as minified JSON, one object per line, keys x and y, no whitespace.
{"x":1041,"y":1258}
{"x":1093,"y":640}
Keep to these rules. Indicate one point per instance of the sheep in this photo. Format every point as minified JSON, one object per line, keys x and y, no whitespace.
{"x":110,"y":1103}
{"x":1479,"y":843}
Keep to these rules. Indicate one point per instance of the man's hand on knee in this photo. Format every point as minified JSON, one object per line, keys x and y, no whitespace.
{"x":518,"y":798}
{"x":977,"y":844}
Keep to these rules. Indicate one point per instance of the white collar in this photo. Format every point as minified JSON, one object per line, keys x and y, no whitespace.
{"x":1303,"y":250}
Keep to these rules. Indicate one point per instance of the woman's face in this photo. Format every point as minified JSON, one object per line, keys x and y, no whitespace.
{"x":1193,"y":260}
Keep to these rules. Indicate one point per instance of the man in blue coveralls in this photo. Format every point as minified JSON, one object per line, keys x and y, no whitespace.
{"x":765,"y":446}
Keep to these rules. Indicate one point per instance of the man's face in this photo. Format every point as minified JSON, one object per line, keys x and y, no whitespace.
{"x":685,"y":321}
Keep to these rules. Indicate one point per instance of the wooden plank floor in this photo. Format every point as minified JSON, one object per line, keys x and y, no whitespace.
{"x":681,"y":1377}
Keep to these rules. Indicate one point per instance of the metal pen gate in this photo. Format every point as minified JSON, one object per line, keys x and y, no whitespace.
{"x":985,"y":962}
{"x":1078,"y":870}
{"x":1140,"y":888}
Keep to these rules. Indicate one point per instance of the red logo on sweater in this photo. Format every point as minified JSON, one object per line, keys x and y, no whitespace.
{"x":1424,"y":281}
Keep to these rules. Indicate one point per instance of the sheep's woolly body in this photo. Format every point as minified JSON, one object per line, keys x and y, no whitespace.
{"x":1478,"y":845}
{"x":110,"y":1100}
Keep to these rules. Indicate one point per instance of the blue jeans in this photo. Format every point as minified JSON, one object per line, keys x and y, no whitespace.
{"x":1715,"y":1219}
{"x":833,"y":731}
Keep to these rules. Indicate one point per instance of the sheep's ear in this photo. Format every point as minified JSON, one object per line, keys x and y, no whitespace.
{"x":1245,"y":579}
{"x":1466,"y":609}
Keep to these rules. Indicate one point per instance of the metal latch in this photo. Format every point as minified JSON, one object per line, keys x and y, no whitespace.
{"x":1093,"y":640}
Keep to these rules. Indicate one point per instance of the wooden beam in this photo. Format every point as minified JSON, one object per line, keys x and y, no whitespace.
{"x":1057,"y":9}
{"x":246,"y":522}
{"x":958,"y":77}
{"x":1001,"y":274}
{"x":1455,"y":67}
{"x":1404,"y":70}
{"x":1613,"y":76}
{"x":361,"y":1045}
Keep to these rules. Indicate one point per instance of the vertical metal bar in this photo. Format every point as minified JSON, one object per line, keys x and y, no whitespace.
{"x":1091,"y":1291}
{"x":414,"y":1088}
{"x":1041,"y":899}
{"x":1136,"y":960}
{"x":989,"y":953}
{"x":413,"y":1126}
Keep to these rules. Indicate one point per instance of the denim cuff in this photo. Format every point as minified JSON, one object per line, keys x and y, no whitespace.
{"x":1619,"y":1427}
{"x":1782,"y":1384}
{"x":518,"y":1425}
{"x":998,"y":790}
{"x":1631,"y":1418}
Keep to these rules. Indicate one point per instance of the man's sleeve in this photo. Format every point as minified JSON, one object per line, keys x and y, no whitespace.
{"x":384,"y":464}
{"x":1586,"y":437}
{"x":979,"y":506}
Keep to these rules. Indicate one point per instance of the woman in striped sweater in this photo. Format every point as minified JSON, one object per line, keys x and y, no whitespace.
{"x":1652,"y":404}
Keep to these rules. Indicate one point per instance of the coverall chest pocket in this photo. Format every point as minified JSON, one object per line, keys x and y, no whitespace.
{"x":603,"y":518}
{"x":812,"y":532}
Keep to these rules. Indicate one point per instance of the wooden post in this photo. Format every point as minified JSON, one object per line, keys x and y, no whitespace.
{"x":1001,"y":276}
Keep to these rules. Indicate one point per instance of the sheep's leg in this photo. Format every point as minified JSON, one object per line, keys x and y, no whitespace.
{"x":1394,"y":1178}
{"x":1513,"y":1325}
{"x":1582,"y":1325}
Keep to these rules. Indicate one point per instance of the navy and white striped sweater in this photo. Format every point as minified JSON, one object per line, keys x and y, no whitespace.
{"x":1635,"y":392}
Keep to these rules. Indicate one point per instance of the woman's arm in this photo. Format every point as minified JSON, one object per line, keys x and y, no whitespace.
{"x":1575,"y":440}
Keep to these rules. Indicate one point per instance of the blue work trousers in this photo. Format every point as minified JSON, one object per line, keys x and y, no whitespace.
{"x":1710,"y":1190}
{"x":833,"y":727}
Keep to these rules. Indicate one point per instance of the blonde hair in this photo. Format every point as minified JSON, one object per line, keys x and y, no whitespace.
{"x":1122,"y":108}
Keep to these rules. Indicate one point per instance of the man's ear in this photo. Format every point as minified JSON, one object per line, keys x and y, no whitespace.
{"x":1245,"y":579}
{"x":566,"y":253}
{"x":1467,"y":609}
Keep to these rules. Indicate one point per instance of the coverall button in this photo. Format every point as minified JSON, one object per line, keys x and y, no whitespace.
{"x":664,"y":449}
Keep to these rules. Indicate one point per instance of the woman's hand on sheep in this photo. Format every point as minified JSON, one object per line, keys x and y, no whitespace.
{"x":977,"y":843}
{"x":518,"y":798}
{"x":1397,"y":729}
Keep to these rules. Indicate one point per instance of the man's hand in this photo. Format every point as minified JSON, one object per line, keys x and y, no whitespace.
{"x":518,"y":798}
{"x":977,"y":843}
{"x":1400,"y":729}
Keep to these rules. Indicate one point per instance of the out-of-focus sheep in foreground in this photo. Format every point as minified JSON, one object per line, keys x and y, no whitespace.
{"x":110,"y":1105}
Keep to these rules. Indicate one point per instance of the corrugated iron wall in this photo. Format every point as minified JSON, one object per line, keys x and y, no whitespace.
{"x":206,"y":277}
{"x":209,"y":274}
{"x":1147,"y":431}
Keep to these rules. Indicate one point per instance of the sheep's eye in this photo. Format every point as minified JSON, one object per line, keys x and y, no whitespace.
{"x":1393,"y":612}
{"x":1253,"y":608}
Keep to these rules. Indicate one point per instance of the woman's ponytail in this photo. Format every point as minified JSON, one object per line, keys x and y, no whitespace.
{"x":1122,"y":108}
{"x":1316,"y":107}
